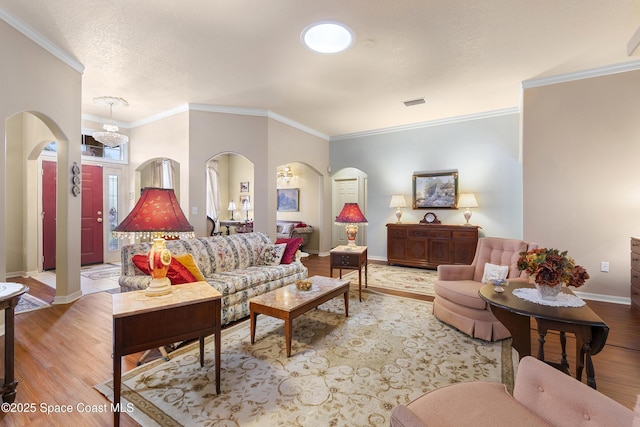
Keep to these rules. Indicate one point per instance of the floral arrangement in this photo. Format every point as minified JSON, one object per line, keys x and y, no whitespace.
{"x":551,"y":267}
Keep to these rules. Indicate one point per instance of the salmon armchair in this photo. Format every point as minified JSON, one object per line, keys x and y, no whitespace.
{"x":542,"y":396}
{"x":457,"y":302}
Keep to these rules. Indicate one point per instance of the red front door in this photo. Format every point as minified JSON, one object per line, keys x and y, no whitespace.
{"x":49,"y":175}
{"x":91,"y":241}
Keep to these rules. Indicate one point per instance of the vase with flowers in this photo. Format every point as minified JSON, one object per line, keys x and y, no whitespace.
{"x":551,"y":269}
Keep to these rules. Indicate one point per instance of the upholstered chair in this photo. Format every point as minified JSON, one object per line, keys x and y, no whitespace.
{"x":542,"y":396}
{"x":456,"y":299}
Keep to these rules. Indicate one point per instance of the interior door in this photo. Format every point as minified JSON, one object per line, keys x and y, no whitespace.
{"x":49,"y":180}
{"x":346,"y":192}
{"x":91,"y":240}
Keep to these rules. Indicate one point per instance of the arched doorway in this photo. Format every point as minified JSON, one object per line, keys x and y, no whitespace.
{"x":230,"y":193}
{"x":26,"y":135}
{"x":299,"y":190}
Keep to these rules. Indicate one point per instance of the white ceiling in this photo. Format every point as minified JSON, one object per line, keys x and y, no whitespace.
{"x":463,"y":56}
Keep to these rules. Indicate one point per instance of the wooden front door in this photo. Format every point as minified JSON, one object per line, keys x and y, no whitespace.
{"x":91,"y":240}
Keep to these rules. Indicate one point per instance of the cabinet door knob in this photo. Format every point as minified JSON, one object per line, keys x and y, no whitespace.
{"x":635,"y":259}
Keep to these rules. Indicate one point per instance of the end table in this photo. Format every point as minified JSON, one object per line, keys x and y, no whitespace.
{"x":140,"y":322}
{"x":350,"y":258}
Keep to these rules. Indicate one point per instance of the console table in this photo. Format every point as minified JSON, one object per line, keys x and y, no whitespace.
{"x":590,"y":330}
{"x":10,"y":294}
{"x":429,"y":245}
{"x":140,"y":322}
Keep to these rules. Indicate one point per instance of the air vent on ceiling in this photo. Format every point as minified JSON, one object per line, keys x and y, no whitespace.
{"x":414,"y":102}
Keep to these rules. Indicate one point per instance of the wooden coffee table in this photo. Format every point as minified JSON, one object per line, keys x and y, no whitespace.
{"x":287,"y":303}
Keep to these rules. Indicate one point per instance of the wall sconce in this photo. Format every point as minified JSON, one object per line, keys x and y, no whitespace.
{"x":285,"y":174}
{"x":467,"y":200}
{"x":397,"y":201}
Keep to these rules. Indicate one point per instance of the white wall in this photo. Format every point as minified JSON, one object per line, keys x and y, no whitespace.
{"x":581,"y":145}
{"x":484,"y":151}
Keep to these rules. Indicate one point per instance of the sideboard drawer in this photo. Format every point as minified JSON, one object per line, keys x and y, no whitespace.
{"x":440,"y":234}
{"x":465,"y":234}
{"x":397,"y":232}
{"x":418,"y":232}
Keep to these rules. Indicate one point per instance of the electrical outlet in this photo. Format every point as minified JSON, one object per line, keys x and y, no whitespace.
{"x":194,"y":210}
{"x":604,"y":266}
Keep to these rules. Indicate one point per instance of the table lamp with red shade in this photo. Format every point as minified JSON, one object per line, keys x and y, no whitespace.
{"x":157,"y":214}
{"x":351,"y":217}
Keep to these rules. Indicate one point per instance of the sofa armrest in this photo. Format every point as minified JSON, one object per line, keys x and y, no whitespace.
{"x":455,"y":272}
{"x":557,"y":397}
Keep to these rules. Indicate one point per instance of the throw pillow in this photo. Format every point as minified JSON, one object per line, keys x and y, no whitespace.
{"x":177,"y":273}
{"x":272,"y":254}
{"x":290,"y":252}
{"x":286,"y":229}
{"x":494,"y":272}
{"x":190,"y":264}
{"x":300,"y":225}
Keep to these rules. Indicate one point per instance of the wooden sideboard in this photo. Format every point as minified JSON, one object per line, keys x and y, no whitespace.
{"x":429,"y":245}
{"x":635,"y":273}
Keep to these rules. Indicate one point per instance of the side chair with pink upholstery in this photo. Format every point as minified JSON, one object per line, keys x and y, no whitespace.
{"x":542,"y":396}
{"x":457,"y":302}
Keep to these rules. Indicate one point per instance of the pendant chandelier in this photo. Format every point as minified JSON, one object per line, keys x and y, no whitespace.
{"x":110,"y":136}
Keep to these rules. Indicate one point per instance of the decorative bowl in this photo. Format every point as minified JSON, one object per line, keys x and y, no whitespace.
{"x":498,"y":285}
{"x":303,"y":285}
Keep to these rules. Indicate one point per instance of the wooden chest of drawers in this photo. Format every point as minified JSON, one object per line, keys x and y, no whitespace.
{"x":635,"y":273}
{"x":429,"y":245}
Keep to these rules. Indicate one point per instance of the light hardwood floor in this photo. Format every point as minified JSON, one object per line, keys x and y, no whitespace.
{"x":63,"y":351}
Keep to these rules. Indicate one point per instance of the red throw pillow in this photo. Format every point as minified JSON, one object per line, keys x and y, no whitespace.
{"x":300,"y":225}
{"x":177,"y":273}
{"x":290,"y":252}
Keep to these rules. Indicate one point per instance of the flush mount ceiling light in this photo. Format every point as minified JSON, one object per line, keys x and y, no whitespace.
{"x":110,"y":136}
{"x":327,"y":37}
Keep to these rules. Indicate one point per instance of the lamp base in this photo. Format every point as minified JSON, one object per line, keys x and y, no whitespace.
{"x":467,"y":216}
{"x":398,"y":215}
{"x":157,"y":287}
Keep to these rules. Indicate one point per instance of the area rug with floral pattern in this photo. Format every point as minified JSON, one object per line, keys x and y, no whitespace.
{"x":343,"y":371}
{"x":407,"y":279}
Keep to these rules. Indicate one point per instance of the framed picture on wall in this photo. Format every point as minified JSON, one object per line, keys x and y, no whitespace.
{"x":288,"y":199}
{"x":244,"y":187}
{"x":243,"y":199}
{"x":435,"y":189}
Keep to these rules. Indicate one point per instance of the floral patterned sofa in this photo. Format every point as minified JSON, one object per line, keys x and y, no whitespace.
{"x":228,"y":263}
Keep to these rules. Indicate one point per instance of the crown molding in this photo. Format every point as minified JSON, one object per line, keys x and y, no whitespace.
{"x":430,"y":123}
{"x":40,"y":40}
{"x":582,"y":74}
{"x":162,"y":115}
{"x":298,"y":126}
{"x":98,"y":119}
{"x":225,"y":110}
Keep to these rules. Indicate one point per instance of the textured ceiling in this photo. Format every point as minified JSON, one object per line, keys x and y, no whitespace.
{"x":463,"y":56}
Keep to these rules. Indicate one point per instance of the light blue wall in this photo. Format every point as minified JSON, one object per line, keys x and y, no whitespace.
{"x":486,"y":153}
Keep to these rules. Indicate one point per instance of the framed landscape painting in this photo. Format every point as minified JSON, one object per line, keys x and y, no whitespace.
{"x":435,"y":189}
{"x":288,"y":199}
